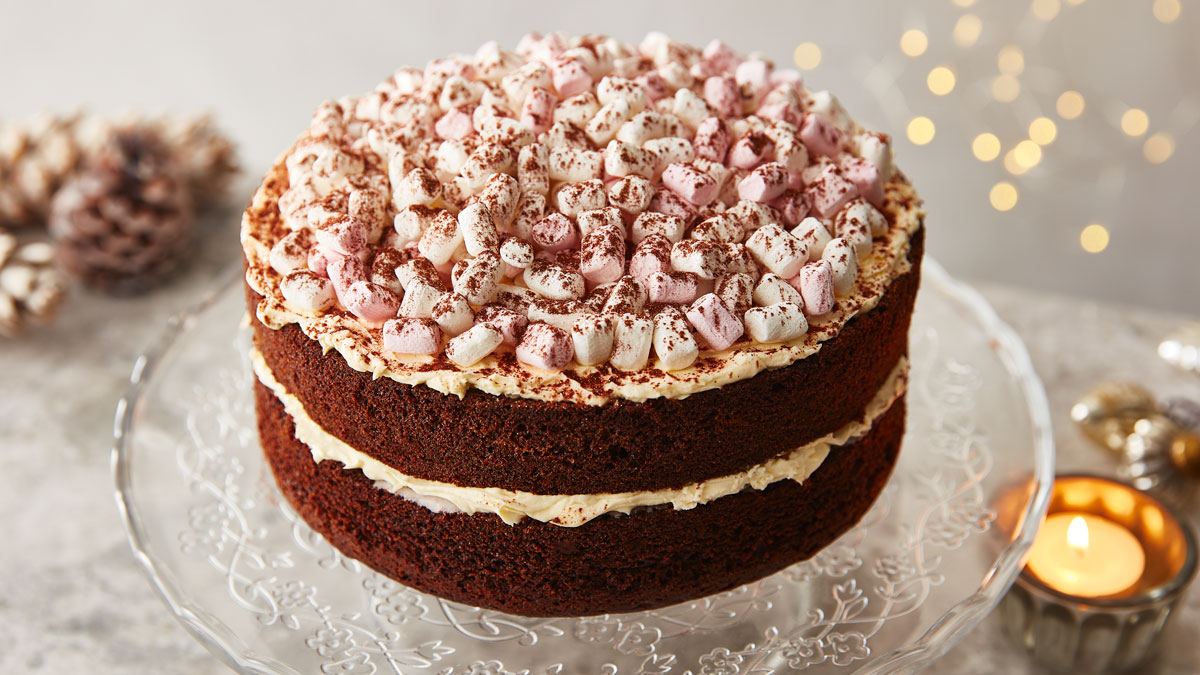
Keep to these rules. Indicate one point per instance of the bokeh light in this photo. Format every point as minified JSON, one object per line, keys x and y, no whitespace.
{"x":1135,"y":122}
{"x":1027,"y":154}
{"x":964,"y":3}
{"x":807,"y":55}
{"x":940,"y":80}
{"x":967,"y":30}
{"x":1167,"y":11}
{"x":1158,"y":148}
{"x":1006,"y":88}
{"x":986,"y":147}
{"x":1070,"y":105}
{"x":1013,"y":166}
{"x":1046,"y":10}
{"x":913,"y":43}
{"x":1011,"y":60}
{"x":1094,"y":238}
{"x":921,"y":130}
{"x":1043,"y":131}
{"x":1003,"y":196}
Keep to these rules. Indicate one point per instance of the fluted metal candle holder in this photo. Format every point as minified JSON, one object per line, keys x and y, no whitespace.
{"x":1106,"y":634}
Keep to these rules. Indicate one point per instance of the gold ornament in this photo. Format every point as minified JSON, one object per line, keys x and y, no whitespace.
{"x":1108,"y":411}
{"x":1181,"y":347}
{"x":1185,"y":453}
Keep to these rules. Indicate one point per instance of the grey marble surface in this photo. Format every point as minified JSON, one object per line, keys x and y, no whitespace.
{"x":72,"y":599}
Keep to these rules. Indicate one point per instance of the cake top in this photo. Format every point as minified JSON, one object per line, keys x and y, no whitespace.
{"x":580,"y":219}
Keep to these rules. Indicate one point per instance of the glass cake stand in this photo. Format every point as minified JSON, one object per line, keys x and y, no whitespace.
{"x":266,"y":594}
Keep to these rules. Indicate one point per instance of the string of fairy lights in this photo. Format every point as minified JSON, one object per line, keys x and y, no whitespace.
{"x":1007,"y":86}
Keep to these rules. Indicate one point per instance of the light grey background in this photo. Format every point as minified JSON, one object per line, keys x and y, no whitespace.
{"x":262,"y":67}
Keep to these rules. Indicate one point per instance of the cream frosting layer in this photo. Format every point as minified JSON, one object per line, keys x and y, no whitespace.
{"x":574,"y":510}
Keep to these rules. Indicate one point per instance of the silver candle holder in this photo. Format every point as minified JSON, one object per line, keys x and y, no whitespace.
{"x":1112,"y":633}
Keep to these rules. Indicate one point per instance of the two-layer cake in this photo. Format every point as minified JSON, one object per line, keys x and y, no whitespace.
{"x":585,"y":327}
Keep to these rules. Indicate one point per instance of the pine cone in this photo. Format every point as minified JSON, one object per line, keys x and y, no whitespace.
{"x":124,"y":222}
{"x":206,"y":156}
{"x":31,"y":289}
{"x":34,"y":162}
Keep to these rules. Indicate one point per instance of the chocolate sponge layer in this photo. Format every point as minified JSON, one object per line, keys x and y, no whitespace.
{"x":571,"y":448}
{"x":615,"y":563}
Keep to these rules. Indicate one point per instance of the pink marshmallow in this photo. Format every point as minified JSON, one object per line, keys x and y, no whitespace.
{"x":782,"y":111}
{"x":815,"y":283}
{"x":690,"y":183}
{"x":537,"y":112}
{"x":720,"y":57}
{"x":750,"y":150}
{"x":555,"y":233}
{"x":652,"y":255}
{"x":713,"y":321}
{"x":654,"y":84}
{"x":676,"y":288}
{"x":371,"y":302}
{"x":317,"y":261}
{"x":671,"y":204}
{"x":602,"y":254}
{"x":794,"y":206}
{"x":544,"y":346}
{"x":712,"y":139}
{"x":821,"y":137}
{"x":570,"y":77}
{"x":412,"y":336}
{"x":342,"y":236}
{"x":764,"y":183}
{"x":721,"y":92}
{"x":829,"y":192}
{"x":455,"y":124}
{"x":345,"y":272}
{"x":756,"y":73}
{"x":510,"y":324}
{"x":865,"y":177}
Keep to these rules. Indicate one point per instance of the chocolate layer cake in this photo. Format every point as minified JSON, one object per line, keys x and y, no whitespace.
{"x":585,"y":327}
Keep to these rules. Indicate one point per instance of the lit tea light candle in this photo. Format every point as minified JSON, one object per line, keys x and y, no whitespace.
{"x":1086,"y":556}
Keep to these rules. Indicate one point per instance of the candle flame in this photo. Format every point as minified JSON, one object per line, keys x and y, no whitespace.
{"x":1077,"y":534}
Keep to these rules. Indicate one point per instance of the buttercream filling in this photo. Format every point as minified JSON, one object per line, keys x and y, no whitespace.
{"x":573,"y":510}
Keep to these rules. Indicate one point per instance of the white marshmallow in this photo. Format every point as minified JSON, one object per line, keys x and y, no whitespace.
{"x":531,"y":210}
{"x":516,"y":252}
{"x":418,"y":187}
{"x":843,"y":260}
{"x":652,"y":222}
{"x":705,"y":259}
{"x":504,"y":131}
{"x":632,"y":339}
{"x":776,"y":323}
{"x":691,"y":109}
{"x":719,"y":227}
{"x":673,"y":342}
{"x":670,"y":150}
{"x":533,"y":169}
{"x":771,"y":290}
{"x":577,"y":110}
{"x":419,"y":298}
{"x":623,"y":159}
{"x":777,"y":250}
{"x":613,"y":88}
{"x":517,"y":84}
{"x":303,"y":289}
{"x":479,"y":280}
{"x":574,"y":198}
{"x":739,"y":260}
{"x":558,"y":313}
{"x":603,"y":126}
{"x":470,"y":347}
{"x":644,"y":126}
{"x":289,"y":253}
{"x":501,"y":194}
{"x":589,"y":221}
{"x":478,"y":229}
{"x":632,"y":194}
{"x":449,"y":158}
{"x":485,"y":161}
{"x":592,"y":335}
{"x":440,"y":239}
{"x":736,"y":292}
{"x":813,"y":234}
{"x":573,"y":165}
{"x":452,"y":313}
{"x":878,"y":151}
{"x":553,"y":281}
{"x":626,"y":296}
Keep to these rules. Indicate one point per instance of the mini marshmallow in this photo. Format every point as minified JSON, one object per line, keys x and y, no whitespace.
{"x":691,"y":109}
{"x":671,"y":287}
{"x":642,"y":127}
{"x":532,"y":169}
{"x":843,"y":260}
{"x":291,"y":251}
{"x":544,"y":346}
{"x":716,"y":324}
{"x":537,"y":111}
{"x":383,"y":269}
{"x":371,"y":302}
{"x":821,"y":137}
{"x":876,"y":149}
{"x":516,"y":252}
{"x":632,"y":339}
{"x":412,"y":336}
{"x":485,"y":161}
{"x":793,"y":207}
{"x":501,"y":194}
{"x":719,"y":227}
{"x":557,"y":313}
{"x":626,"y":296}
{"x":827,"y":106}
{"x":531,"y":210}
{"x":776,"y":323}
{"x":575,"y":198}
{"x":367,"y":207}
{"x":772,"y":290}
{"x":865,"y":177}
{"x":516,"y":298}
{"x":631,"y":194}
{"x":419,"y":268}
{"x":671,"y":204}
{"x":651,"y":222}
{"x":602,"y":254}
{"x":613,"y":88}
{"x":478,"y":229}
{"x":792,"y":154}
{"x":503,"y":131}
{"x":452,"y":313}
{"x":862,"y":212}
{"x":479,"y":280}
{"x":670,"y":150}
{"x":449,"y":159}
{"x":814,"y":235}
{"x":553,"y":281}
{"x":652,"y":254}
{"x":343,"y":273}
{"x":623,"y":159}
{"x":419,"y":298}
{"x":736,"y":292}
{"x":738,"y":260}
{"x":592,"y":338}
{"x":518,"y":84}
{"x":305,"y":290}
{"x":753,"y":215}
{"x":555,"y":233}
{"x":510,"y":324}
{"x":853,"y":226}
{"x":470,"y":347}
{"x":455,"y":124}
{"x":815,"y":283}
{"x":755,"y":73}
{"x":690,"y":183}
{"x":603,"y":126}
{"x":764,"y":183}
{"x":721,"y":92}
{"x":589,"y":221}
{"x":673,"y":342}
{"x":570,"y":77}
{"x":830,"y":191}
{"x":750,"y":150}
{"x":577,"y":110}
{"x":705,"y":259}
{"x":712,"y":139}
{"x":777,"y":250}
{"x":441,"y":238}
{"x":342,"y":236}
{"x":573,"y":165}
